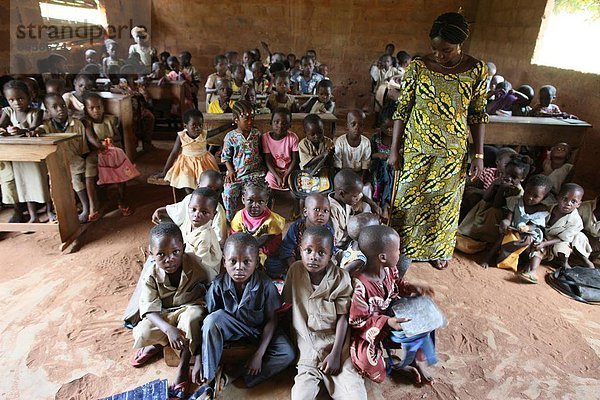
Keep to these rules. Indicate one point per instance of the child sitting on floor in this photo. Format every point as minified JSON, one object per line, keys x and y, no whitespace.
{"x":524,"y":218}
{"x":178,"y":212}
{"x":171,"y":305}
{"x":78,"y":149}
{"x":322,"y":103}
{"x":316,"y":213}
{"x":241,"y":155}
{"x":375,"y":288}
{"x":352,"y":259}
{"x":242,"y":304}
{"x":480,"y":224}
{"x":320,"y":295}
{"x":546,"y":107}
{"x":353,"y":150}
{"x":521,"y":107}
{"x":197,"y":227}
{"x":23,"y":182}
{"x":74,"y":99}
{"x":315,"y":145}
{"x":557,"y":167}
{"x":563,"y":223}
{"x":211,"y":82}
{"x":265,"y":225}
{"x":223,"y":104}
{"x":189,"y":156}
{"x":109,"y":162}
{"x":280,"y":147}
{"x":347,"y":193}
{"x":586,"y":244}
{"x":281,"y":98}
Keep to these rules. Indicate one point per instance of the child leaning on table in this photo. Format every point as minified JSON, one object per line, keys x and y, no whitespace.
{"x":171,"y":304}
{"x":320,"y":295}
{"x":242,"y":304}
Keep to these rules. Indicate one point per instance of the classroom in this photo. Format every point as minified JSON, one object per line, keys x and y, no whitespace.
{"x":300,"y":200}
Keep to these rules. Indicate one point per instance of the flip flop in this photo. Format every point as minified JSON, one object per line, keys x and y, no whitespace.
{"x":95,"y":216}
{"x":179,"y":391}
{"x":126,"y":211}
{"x":528,"y":277}
{"x":140,"y":359}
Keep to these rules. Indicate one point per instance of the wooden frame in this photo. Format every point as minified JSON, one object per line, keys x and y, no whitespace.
{"x":534,"y":131}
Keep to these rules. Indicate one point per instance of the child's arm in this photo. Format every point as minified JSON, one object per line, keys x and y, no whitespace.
{"x":254,"y":365}
{"x":354,"y":266}
{"x":172,"y":157}
{"x":289,"y":245}
{"x":176,"y":337}
{"x":91,"y":136}
{"x":505,"y":223}
{"x":490,"y":193}
{"x":332,"y":363}
{"x":159,"y":214}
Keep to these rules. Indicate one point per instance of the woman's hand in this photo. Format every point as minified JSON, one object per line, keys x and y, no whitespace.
{"x":476,"y":169}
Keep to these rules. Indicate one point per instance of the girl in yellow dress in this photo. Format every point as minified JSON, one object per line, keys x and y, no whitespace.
{"x":189,"y":157}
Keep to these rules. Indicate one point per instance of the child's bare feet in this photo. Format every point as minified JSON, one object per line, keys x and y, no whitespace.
{"x":425,"y":377}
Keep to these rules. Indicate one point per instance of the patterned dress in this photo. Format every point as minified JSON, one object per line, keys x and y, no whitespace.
{"x":437,"y":110}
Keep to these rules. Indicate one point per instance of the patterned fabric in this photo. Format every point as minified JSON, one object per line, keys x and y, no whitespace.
{"x":380,"y":169}
{"x":368,"y":319}
{"x":437,"y":109}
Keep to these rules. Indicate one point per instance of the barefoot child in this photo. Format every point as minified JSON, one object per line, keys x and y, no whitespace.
{"x":189,"y":156}
{"x":242,"y":304}
{"x":171,"y":305}
{"x":60,"y":122}
{"x":346,"y":194}
{"x":265,"y":225}
{"x":320,"y":294}
{"x":315,"y":145}
{"x":524,"y":218}
{"x":178,"y":212}
{"x":110,"y":163}
{"x":375,"y":288}
{"x":280,"y":147}
{"x":23,"y":182}
{"x":352,"y":259}
{"x":562,"y":225}
{"x":242,"y":156}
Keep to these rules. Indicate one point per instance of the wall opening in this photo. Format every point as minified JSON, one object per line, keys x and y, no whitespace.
{"x":568,"y":35}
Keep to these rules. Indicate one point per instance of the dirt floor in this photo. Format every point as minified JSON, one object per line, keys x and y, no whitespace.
{"x":61,"y":334}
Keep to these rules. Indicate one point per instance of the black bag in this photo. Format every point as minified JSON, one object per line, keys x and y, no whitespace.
{"x":579,"y":283}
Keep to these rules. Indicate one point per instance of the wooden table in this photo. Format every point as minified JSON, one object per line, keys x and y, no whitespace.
{"x":263,"y":123}
{"x":121,"y":106}
{"x":169,"y":90}
{"x":52,"y":150}
{"x":534,"y":131}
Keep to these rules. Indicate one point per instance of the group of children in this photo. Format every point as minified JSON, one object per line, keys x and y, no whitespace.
{"x":523,"y":218}
{"x":94,"y":158}
{"x":209,"y":282}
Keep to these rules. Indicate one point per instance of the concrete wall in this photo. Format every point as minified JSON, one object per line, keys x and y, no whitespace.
{"x":506,"y":35}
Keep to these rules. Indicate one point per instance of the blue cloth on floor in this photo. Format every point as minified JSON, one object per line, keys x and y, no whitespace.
{"x":155,"y":390}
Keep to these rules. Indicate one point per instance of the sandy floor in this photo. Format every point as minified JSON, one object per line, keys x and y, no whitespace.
{"x":61,"y":335}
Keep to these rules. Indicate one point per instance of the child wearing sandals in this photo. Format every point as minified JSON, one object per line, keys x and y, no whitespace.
{"x":189,"y":156}
{"x":109,"y":162}
{"x":375,"y":288}
{"x":171,"y":305}
{"x":524,"y":218}
{"x":320,"y":295}
{"x":241,"y":305}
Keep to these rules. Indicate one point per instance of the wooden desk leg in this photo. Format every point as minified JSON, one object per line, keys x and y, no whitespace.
{"x":63,"y":197}
{"x":130,"y":141}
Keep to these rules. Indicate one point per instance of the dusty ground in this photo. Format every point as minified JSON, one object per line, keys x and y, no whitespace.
{"x":61,"y":335}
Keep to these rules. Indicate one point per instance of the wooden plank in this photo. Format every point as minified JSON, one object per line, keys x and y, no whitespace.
{"x":50,"y":139}
{"x":25,"y":152}
{"x":24,"y":227}
{"x":169,"y":90}
{"x":499,"y":119}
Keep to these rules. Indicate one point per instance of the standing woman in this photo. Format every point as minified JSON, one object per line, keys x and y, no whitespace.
{"x":442,"y":98}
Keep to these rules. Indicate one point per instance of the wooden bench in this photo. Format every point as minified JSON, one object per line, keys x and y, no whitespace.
{"x":51,"y":149}
{"x":153,"y":180}
{"x":535,"y":131}
{"x":233,"y":353}
{"x":263,"y":123}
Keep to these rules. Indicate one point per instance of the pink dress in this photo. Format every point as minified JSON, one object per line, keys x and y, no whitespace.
{"x":113,"y":164}
{"x":281,"y":150}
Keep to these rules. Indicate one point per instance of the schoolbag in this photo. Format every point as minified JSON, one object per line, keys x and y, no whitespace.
{"x":579,"y":283}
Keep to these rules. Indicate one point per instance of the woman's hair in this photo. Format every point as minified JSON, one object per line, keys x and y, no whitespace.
{"x":452,"y":27}
{"x":521,"y":162}
{"x":16,"y":85}
{"x":191,"y":113}
{"x":242,"y":107}
{"x":257,"y":184}
{"x":281,"y":110}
